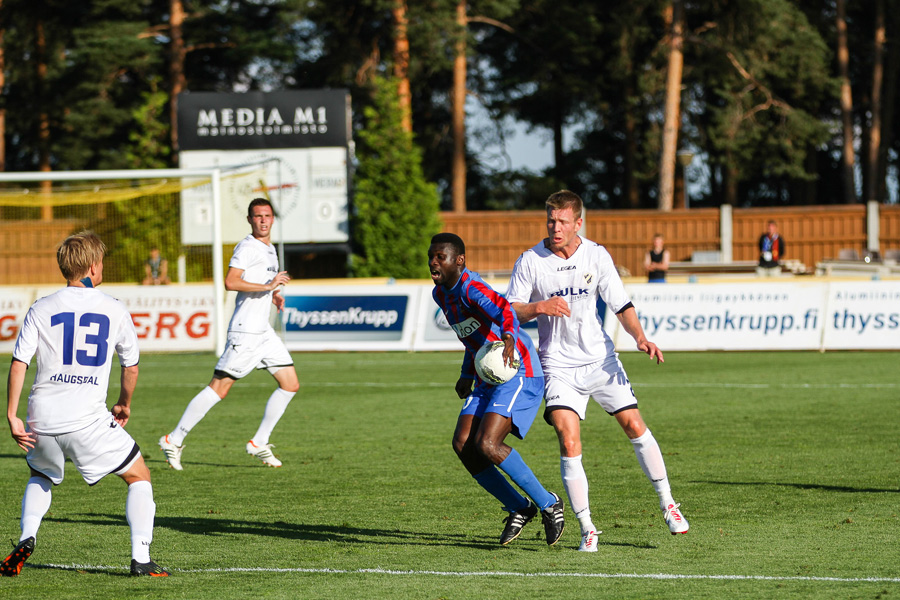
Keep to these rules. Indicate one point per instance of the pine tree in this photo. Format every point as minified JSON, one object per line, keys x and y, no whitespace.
{"x":395,"y":208}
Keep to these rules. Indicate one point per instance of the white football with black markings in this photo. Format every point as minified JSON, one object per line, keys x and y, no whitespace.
{"x":489,"y":364}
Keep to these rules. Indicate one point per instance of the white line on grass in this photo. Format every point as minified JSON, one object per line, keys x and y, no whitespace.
{"x":415,"y":384}
{"x":661,"y":576}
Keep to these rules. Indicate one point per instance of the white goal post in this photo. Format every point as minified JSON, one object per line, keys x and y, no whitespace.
{"x":212,"y":175}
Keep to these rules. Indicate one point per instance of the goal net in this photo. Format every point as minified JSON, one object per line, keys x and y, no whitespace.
{"x":175,"y":211}
{"x":132,"y":216}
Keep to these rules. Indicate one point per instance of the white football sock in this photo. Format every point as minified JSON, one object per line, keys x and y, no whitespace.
{"x":139,"y":512}
{"x":194,"y":412}
{"x":651,"y":460}
{"x":576,"y":484}
{"x":35,"y":504}
{"x":275,"y":407}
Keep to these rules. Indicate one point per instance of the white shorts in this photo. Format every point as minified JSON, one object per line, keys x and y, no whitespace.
{"x":605,"y":382}
{"x":101,"y":448}
{"x":247,"y":351}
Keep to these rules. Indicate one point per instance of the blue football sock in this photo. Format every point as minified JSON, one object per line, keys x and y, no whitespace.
{"x":522,"y":476}
{"x":497,"y":486}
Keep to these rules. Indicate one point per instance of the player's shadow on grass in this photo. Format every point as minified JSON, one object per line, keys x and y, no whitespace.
{"x":808,"y":486}
{"x":294,"y":531}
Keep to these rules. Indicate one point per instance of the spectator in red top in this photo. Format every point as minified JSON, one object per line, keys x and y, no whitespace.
{"x":771,"y":251}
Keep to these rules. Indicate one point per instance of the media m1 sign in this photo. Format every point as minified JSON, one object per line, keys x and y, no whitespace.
{"x":256,"y":120}
{"x":301,"y":138}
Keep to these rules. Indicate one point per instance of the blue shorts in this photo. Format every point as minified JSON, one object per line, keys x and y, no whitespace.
{"x":519,"y":398}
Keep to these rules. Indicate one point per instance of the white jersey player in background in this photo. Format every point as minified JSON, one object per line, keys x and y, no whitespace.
{"x":558,"y":282}
{"x":252,"y":343}
{"x":74,"y":334}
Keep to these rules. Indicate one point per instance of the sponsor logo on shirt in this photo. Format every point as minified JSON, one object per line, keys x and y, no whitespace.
{"x":466,"y":328}
{"x":566,"y":268}
{"x":76,"y":379}
{"x":570,"y":291}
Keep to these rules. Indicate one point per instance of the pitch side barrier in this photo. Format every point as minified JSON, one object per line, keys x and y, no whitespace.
{"x":380,"y":316}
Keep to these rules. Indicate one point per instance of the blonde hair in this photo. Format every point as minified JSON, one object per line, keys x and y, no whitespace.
{"x":565,"y":199}
{"x":78,"y":252}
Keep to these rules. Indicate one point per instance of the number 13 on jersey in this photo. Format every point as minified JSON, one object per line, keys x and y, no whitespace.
{"x":96,"y":347}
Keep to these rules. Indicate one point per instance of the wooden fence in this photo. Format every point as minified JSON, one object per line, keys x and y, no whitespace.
{"x":28,"y":250}
{"x":494,"y":240}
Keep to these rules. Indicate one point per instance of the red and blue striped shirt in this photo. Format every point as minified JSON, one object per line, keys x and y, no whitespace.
{"x":480,"y":315}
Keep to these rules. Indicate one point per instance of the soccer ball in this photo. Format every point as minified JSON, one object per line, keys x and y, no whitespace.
{"x":489,"y":364}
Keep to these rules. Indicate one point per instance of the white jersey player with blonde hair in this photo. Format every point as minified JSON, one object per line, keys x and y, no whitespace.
{"x":251,"y":344}
{"x":74,"y":334}
{"x":558,"y":282}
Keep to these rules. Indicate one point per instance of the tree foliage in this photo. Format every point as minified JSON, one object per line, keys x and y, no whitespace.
{"x":396,"y":209}
{"x":84,"y":83}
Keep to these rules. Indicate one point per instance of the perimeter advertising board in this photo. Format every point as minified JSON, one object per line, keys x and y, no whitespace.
{"x":863,"y":316}
{"x":14,"y":304}
{"x":171,"y":317}
{"x":789,"y":315}
{"x":167,"y":318}
{"x":301,"y":138}
{"x":728,"y":316}
{"x":349,"y":317}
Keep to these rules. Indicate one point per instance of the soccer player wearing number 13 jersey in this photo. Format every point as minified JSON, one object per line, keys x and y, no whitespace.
{"x":74,"y":333}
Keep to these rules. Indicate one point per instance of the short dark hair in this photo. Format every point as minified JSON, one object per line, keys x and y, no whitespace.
{"x":452,"y":239}
{"x":260,"y":202}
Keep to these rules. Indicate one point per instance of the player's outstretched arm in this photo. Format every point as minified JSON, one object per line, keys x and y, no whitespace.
{"x":234,"y":282}
{"x":629,"y":320}
{"x":121,"y":410}
{"x":14,"y":383}
{"x":552,"y":307}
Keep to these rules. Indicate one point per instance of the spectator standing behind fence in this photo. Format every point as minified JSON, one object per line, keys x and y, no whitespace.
{"x":156,"y":269}
{"x":771,"y":251}
{"x":656,"y":261}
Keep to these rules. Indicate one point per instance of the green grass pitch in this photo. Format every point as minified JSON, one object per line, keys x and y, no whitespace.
{"x":787,"y":466}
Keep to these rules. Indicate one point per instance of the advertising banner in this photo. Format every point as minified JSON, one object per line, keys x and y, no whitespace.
{"x":257,"y":120}
{"x":788,"y":315}
{"x":863,"y":315}
{"x":171,"y":318}
{"x":349,"y":318}
{"x":14,"y":304}
{"x":782,"y":316}
{"x":303,"y":139}
{"x":167,"y":318}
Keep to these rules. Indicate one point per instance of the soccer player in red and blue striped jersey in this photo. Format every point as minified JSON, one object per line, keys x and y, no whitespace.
{"x":490,"y":413}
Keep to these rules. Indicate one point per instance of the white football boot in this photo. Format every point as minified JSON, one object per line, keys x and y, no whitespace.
{"x":173,"y":452}
{"x":675,"y":520}
{"x":263,"y":453}
{"x":589,"y":541}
